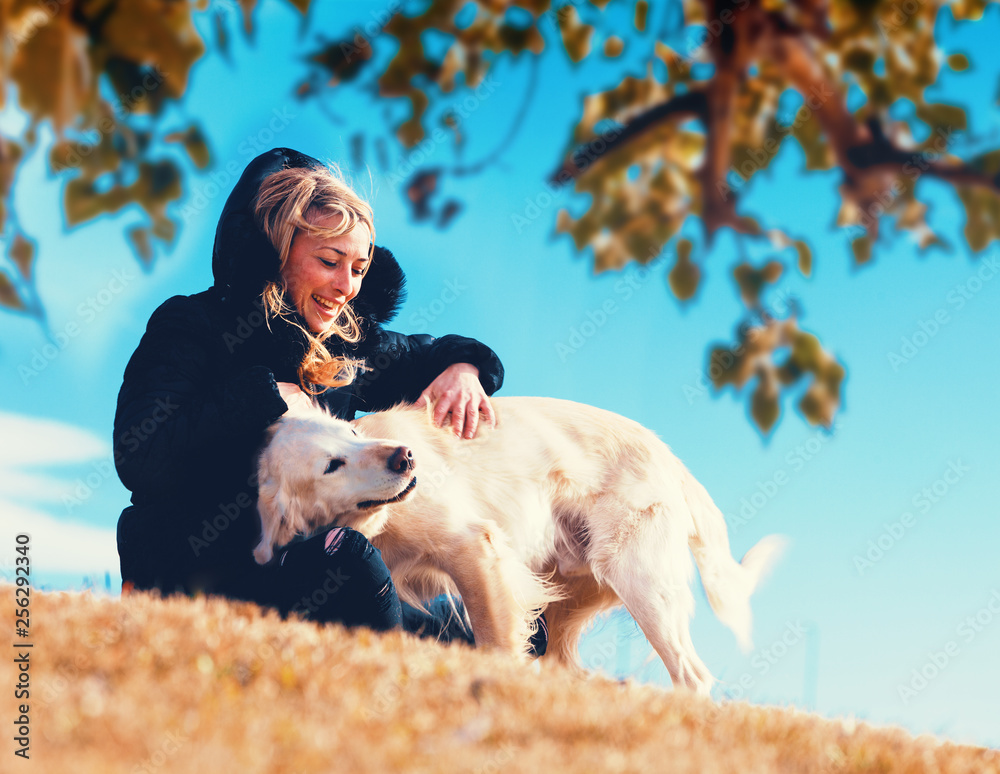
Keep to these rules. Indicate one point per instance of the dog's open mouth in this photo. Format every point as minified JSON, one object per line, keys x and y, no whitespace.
{"x":366,"y":504}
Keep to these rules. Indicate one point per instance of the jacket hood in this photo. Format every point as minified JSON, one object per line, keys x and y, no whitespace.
{"x":243,"y":260}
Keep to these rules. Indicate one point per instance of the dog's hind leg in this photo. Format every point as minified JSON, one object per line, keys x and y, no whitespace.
{"x":645,"y":560}
{"x":567,"y":618}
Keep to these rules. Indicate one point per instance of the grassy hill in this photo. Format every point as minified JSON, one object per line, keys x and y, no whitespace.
{"x":150,"y":685}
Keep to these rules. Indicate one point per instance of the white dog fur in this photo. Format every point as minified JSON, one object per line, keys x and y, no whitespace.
{"x":562,"y":507}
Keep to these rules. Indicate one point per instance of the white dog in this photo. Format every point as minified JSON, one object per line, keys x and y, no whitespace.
{"x":562,"y":507}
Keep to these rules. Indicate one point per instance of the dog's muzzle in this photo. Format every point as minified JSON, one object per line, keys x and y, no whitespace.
{"x":366,"y":504}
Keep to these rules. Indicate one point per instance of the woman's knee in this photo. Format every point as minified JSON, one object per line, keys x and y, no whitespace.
{"x":351,"y":557}
{"x":353,"y":584}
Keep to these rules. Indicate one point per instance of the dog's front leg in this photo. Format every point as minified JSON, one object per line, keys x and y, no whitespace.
{"x":495,"y":587}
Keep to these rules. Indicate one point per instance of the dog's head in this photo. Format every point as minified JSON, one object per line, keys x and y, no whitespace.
{"x":318,"y":471}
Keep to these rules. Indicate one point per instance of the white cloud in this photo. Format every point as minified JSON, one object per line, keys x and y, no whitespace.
{"x":38,"y":441}
{"x":28,"y":486}
{"x":57,"y":544}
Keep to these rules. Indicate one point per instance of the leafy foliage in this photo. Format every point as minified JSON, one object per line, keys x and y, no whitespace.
{"x":652,"y":159}
{"x":686,"y":139}
{"x":102,"y":76}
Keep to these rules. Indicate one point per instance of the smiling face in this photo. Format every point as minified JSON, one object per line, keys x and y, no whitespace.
{"x":323,"y":273}
{"x":317,"y":471}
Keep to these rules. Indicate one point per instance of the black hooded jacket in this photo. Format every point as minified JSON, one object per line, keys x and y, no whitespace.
{"x":200,"y":390}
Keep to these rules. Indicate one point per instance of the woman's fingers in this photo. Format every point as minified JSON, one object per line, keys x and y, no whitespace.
{"x":486,"y":409}
{"x":471,"y":419}
{"x":442,"y":405}
{"x":458,"y":393}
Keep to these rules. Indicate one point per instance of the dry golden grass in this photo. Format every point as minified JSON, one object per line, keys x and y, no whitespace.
{"x":144,"y":684}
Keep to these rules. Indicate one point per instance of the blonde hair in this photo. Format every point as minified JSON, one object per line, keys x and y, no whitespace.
{"x":282,"y":203}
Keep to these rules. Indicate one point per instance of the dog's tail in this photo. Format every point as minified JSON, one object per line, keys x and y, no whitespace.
{"x":728,"y":585}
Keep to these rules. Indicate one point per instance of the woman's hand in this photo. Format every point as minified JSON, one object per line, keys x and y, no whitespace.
{"x":457,"y":392}
{"x":298,"y":402}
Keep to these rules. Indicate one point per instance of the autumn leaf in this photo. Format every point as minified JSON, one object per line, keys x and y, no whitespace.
{"x":613,"y":47}
{"x":684,"y":276}
{"x":958,"y":62}
{"x":575,"y":34}
{"x":641,"y":13}
{"x":764,"y":406}
{"x":52,"y":72}
{"x":22,"y":252}
{"x":751,"y":281}
{"x":139,"y":237}
{"x":8,"y":295}
{"x":805,"y":257}
{"x":194,"y":143}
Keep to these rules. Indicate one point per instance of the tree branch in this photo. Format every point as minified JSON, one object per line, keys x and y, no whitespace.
{"x":732,"y":50}
{"x":692,"y":104}
{"x":870,"y":161}
{"x":821,"y":96}
{"x":963,"y":174}
{"x":881,"y":153}
{"x":516,"y":124}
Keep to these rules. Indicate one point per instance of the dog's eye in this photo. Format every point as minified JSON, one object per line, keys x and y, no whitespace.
{"x":334,"y":464}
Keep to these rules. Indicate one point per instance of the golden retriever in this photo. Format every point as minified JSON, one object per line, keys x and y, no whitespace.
{"x":562,"y":508}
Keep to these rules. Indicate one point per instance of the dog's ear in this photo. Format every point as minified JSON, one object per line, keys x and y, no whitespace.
{"x":271,"y":518}
{"x":278,"y":504}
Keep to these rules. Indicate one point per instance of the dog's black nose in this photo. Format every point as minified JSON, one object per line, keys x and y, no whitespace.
{"x":401,"y":460}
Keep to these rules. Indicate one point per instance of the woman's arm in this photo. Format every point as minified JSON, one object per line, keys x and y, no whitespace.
{"x":182,"y":424}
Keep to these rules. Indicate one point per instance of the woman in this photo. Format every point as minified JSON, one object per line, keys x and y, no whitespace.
{"x":295,"y":313}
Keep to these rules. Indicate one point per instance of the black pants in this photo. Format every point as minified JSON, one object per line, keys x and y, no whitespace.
{"x":340,"y":577}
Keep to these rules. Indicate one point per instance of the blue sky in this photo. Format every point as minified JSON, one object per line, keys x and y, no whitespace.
{"x":928,"y":424}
